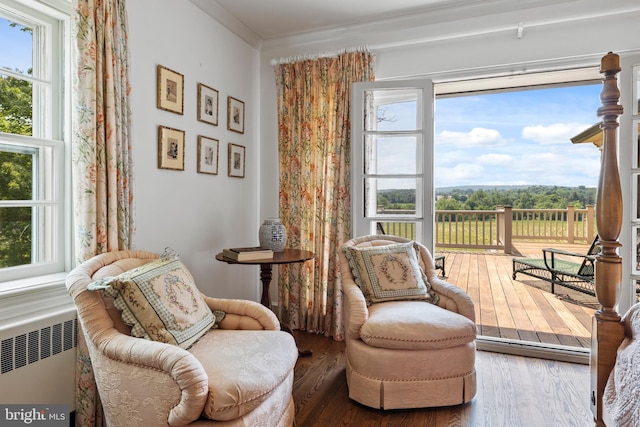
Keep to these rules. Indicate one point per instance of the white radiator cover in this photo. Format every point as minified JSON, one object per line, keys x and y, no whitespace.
{"x":38,"y":349}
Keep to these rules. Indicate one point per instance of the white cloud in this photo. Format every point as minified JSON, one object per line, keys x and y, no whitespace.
{"x":461,"y":173}
{"x":453,"y":157}
{"x":557,"y":133}
{"x":474,"y":138}
{"x":495,"y":159}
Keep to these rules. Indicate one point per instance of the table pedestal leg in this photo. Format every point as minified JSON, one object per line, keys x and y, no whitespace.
{"x":266,"y":274}
{"x":265,"y":278}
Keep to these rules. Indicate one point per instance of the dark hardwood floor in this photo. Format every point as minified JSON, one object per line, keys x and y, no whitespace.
{"x":512,"y":391}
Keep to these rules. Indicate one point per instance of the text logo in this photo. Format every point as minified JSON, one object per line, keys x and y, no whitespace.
{"x":34,"y":415}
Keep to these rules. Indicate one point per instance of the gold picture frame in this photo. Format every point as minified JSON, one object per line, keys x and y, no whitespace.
{"x":170,"y":148}
{"x":170,"y":90}
{"x":236,"y":165}
{"x":207,"y":155}
{"x":207,"y":104}
{"x":235,"y":114}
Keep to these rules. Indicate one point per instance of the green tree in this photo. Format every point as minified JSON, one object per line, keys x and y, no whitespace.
{"x":449,"y":204}
{"x":15,"y":173}
{"x":15,"y":106}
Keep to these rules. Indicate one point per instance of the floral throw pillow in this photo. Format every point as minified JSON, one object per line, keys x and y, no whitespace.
{"x":160,"y":301}
{"x":389,"y":273}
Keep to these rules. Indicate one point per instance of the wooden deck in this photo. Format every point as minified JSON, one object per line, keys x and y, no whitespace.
{"x":522,"y":309}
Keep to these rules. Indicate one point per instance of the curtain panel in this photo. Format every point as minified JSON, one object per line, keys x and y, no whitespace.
{"x":102,"y":164}
{"x":101,"y":155}
{"x":314,"y":150}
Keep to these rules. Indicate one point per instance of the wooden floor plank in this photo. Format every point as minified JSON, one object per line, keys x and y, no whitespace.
{"x":504,"y":316}
{"x":512,"y":391}
{"x":521,"y":319}
{"x":572,"y":327}
{"x":520,"y":309}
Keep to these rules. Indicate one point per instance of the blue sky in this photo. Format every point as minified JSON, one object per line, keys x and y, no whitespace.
{"x":517,"y":138}
{"x":15,"y":47}
{"x":502,"y":138}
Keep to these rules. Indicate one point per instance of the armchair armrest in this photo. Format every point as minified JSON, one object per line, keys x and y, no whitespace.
{"x":134,"y":362}
{"x":453,"y":298}
{"x":244,"y":314}
{"x":355,"y":306}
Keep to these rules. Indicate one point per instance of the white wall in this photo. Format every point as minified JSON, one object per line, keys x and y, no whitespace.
{"x":199,"y":214}
{"x":196,"y":214}
{"x":567,"y":34}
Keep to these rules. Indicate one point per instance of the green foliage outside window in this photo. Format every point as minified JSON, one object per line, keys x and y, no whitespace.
{"x":16,"y":173}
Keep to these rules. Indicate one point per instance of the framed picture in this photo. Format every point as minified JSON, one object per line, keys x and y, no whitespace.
{"x":635,"y":188}
{"x":636,"y":145}
{"x":207,"y":155}
{"x":235,"y":114}
{"x":636,"y":90}
{"x":236,"y":160}
{"x":170,"y":90}
{"x":635,"y":233}
{"x":170,"y":148}
{"x":207,"y":104}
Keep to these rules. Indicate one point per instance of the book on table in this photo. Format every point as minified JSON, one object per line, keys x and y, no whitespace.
{"x":248,"y":254}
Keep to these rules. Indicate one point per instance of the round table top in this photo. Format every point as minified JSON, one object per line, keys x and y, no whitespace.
{"x":288,"y":256}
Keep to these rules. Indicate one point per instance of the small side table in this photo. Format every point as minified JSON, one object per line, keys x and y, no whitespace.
{"x":288,"y":256}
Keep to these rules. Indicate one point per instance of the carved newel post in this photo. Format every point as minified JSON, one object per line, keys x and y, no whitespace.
{"x":607,"y":330}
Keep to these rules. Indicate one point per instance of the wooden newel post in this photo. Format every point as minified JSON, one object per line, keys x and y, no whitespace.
{"x":608,"y":330}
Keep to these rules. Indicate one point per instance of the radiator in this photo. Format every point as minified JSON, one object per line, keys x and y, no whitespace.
{"x":37,"y":359}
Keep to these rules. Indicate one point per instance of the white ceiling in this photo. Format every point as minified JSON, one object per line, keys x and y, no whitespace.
{"x":271,"y":19}
{"x":274,"y":23}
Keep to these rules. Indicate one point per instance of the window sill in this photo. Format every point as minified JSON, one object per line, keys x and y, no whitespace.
{"x":26,"y":299}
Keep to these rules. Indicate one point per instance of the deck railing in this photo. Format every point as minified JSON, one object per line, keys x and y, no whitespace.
{"x":496,"y":229}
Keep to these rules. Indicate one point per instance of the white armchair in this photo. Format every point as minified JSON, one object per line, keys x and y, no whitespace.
{"x":408,"y":353}
{"x":238,"y":375}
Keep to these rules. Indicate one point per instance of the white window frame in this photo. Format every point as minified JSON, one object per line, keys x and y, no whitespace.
{"x":52,"y":234}
{"x":363,"y":224}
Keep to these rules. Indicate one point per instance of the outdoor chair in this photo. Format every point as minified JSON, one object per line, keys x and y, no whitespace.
{"x":558,"y":267}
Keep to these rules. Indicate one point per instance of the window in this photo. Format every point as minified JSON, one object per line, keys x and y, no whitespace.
{"x":33,"y":212}
{"x":392,"y":130}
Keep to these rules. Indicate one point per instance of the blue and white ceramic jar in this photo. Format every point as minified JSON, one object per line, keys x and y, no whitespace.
{"x":272,"y":235}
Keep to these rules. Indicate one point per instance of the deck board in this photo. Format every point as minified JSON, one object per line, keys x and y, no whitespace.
{"x":523,"y":308}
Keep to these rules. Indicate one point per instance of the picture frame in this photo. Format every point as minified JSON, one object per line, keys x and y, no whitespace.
{"x":636,"y":146}
{"x":635,"y":232}
{"x":170,"y":148}
{"x":635,"y":188}
{"x":207,"y":104}
{"x":170,"y":90}
{"x":235,"y":114}
{"x":208,"y":155}
{"x":636,"y":90}
{"x":236,"y":165}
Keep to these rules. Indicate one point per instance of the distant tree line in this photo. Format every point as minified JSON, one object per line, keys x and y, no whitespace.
{"x":531,"y":197}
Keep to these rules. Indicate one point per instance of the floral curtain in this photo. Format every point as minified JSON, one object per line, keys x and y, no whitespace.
{"x":315,"y":178}
{"x":102,"y":164}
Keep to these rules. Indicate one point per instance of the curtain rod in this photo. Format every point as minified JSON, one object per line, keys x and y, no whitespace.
{"x":314,"y":56}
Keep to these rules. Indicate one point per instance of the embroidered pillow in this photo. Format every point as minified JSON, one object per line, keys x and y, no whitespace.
{"x":160,"y":301}
{"x":389,"y":273}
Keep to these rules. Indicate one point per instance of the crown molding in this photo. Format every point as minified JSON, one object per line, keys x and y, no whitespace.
{"x":468,"y":20}
{"x":230,"y":22}
{"x":465,"y":18}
